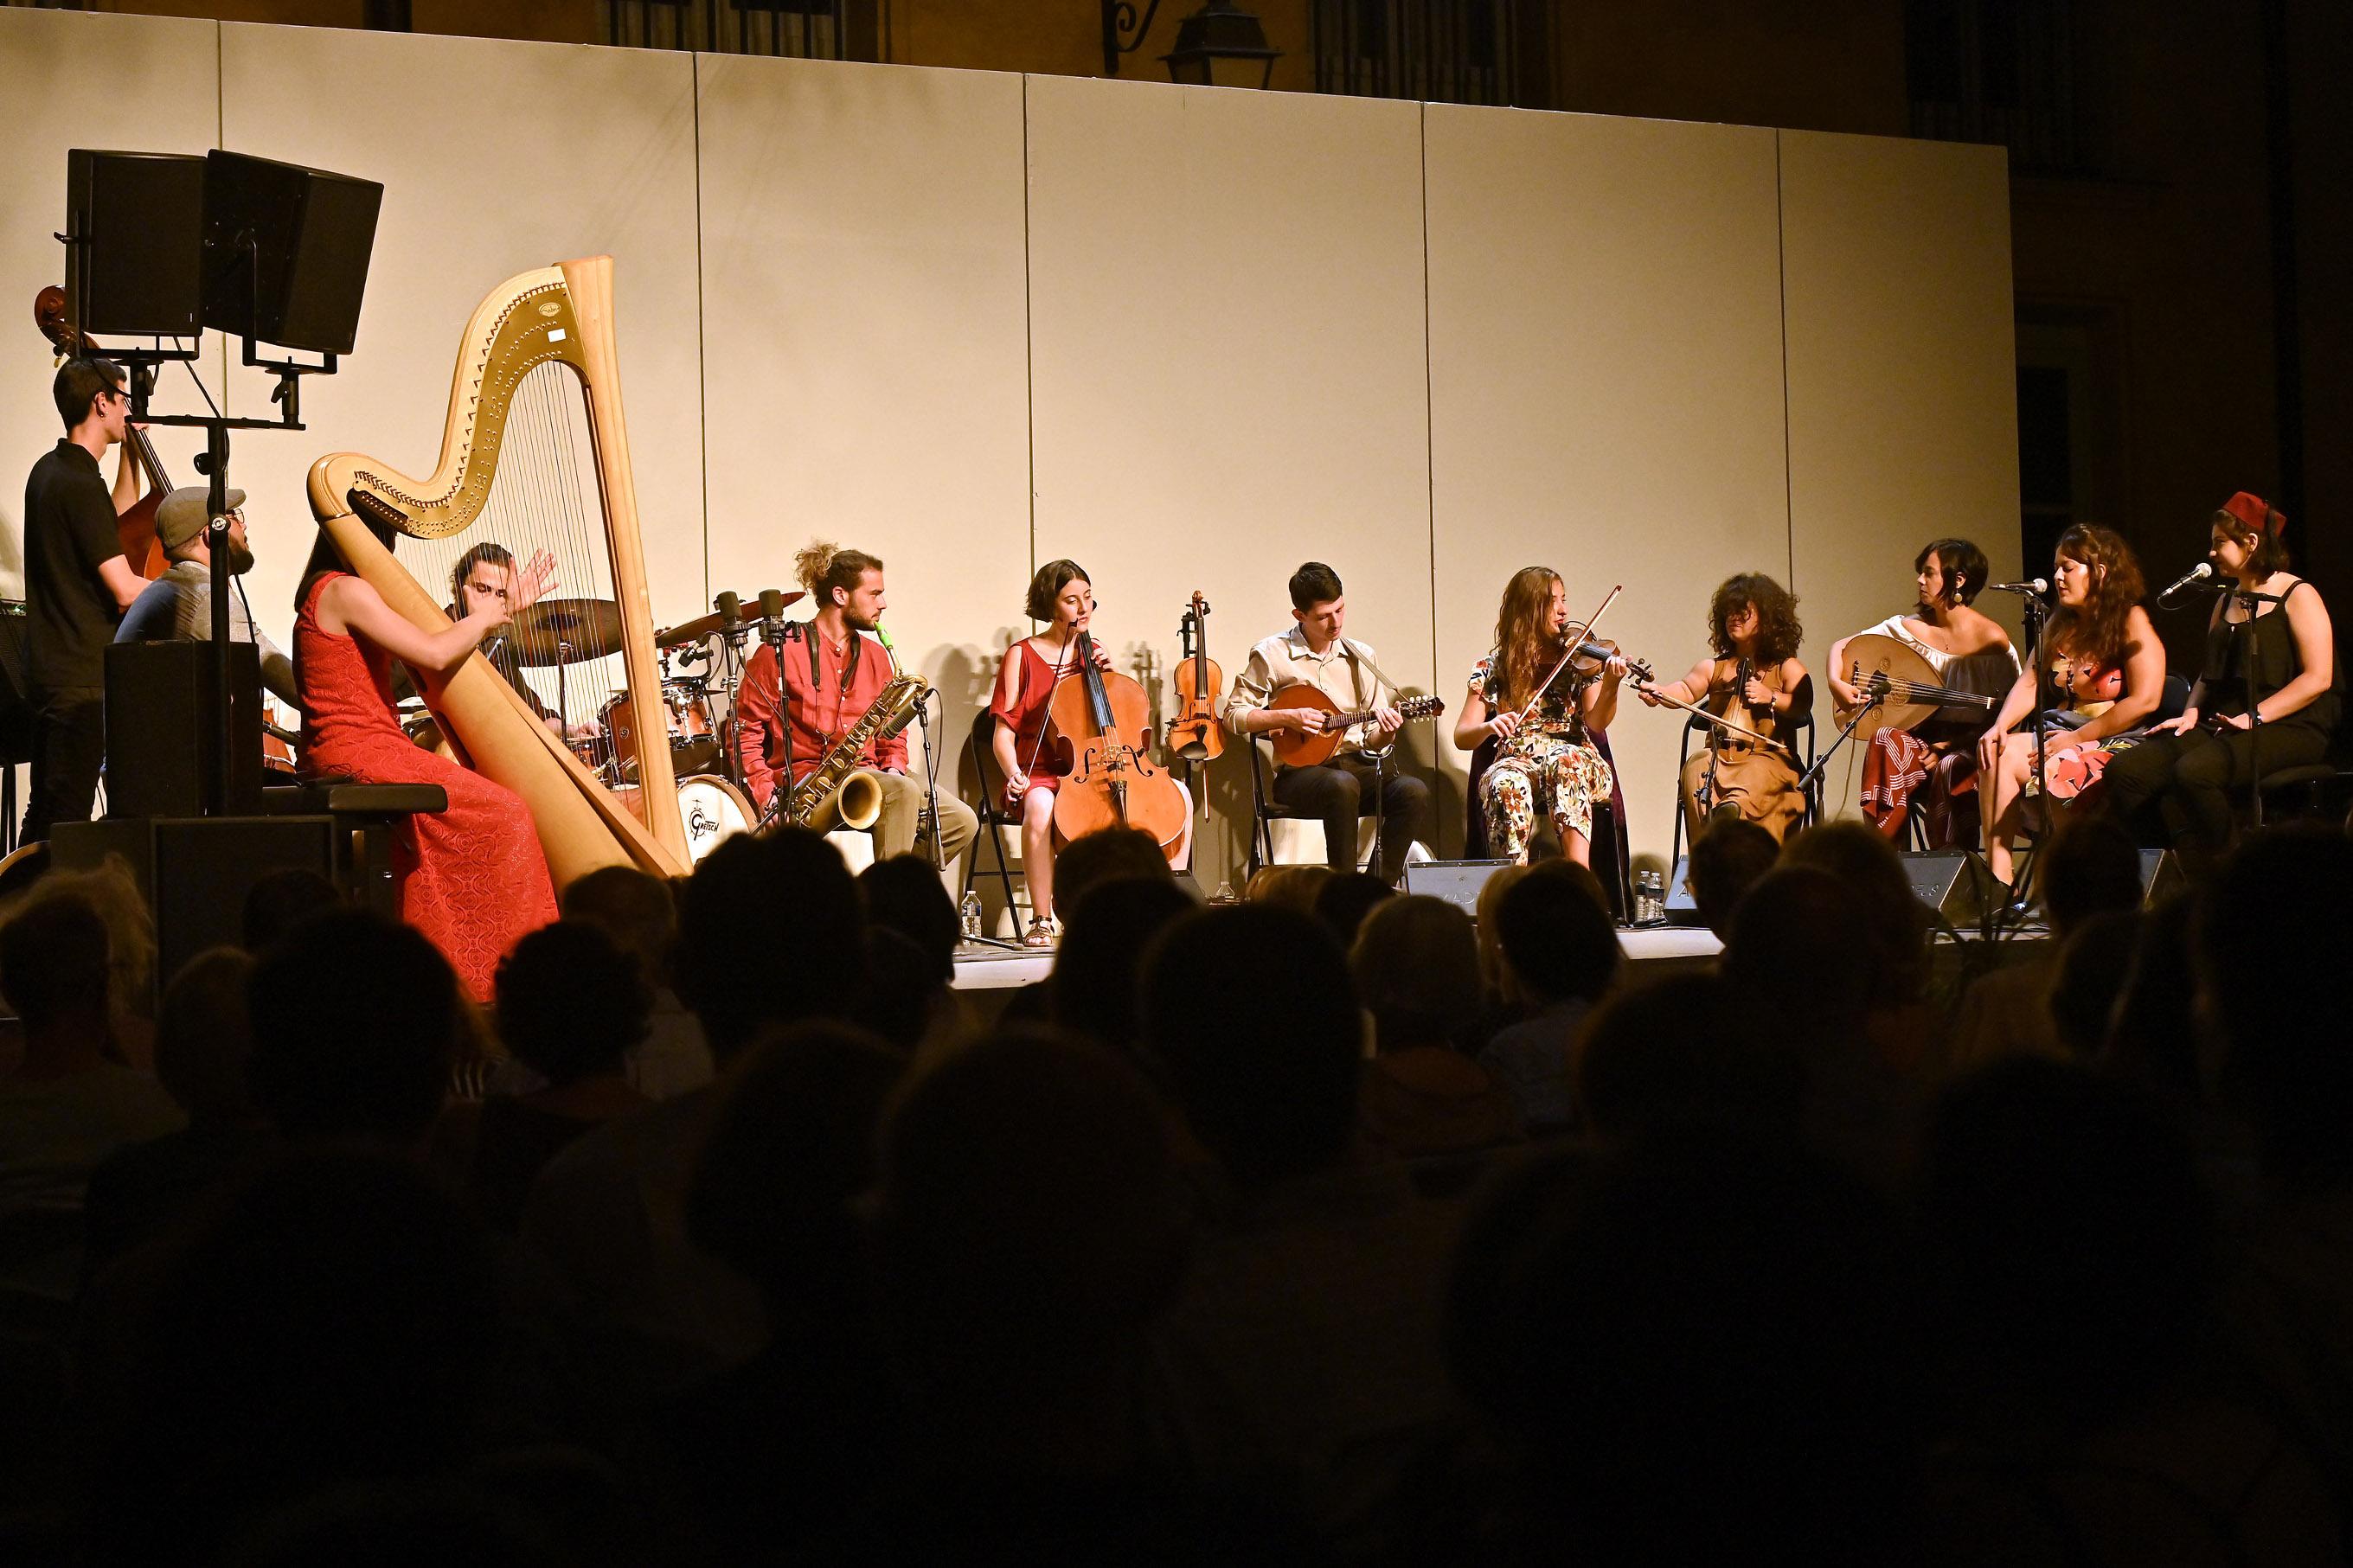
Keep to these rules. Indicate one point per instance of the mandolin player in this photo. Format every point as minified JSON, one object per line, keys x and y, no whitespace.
{"x":1312,"y":652}
{"x":835,"y":667}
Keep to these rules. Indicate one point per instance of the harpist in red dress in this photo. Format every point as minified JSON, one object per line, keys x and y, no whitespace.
{"x":472,"y":878}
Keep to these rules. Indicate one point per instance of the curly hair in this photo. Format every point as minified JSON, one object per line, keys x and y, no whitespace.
{"x":825,"y":566}
{"x":2097,"y":631}
{"x":1048,"y":586}
{"x":1524,"y":647}
{"x":1778,"y":632}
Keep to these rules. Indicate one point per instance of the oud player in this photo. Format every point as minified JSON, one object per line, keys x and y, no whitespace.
{"x":1311,"y":651}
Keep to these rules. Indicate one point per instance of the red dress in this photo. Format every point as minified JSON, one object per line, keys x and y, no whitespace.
{"x":1028,"y":720}
{"x":474,"y":879}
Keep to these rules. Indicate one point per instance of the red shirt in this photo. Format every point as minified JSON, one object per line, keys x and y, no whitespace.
{"x":818,"y":711}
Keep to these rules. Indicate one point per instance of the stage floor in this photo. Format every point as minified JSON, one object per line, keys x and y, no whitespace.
{"x":1654,"y":951}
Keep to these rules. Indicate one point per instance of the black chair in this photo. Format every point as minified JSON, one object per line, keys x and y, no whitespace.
{"x":1802,"y":739}
{"x":989,"y":807}
{"x":1612,"y":857}
{"x":1265,"y":810}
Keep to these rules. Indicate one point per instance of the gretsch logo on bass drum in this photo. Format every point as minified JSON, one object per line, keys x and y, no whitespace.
{"x":549,"y":307}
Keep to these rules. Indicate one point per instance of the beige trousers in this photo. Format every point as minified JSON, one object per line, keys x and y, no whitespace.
{"x":903,"y":803}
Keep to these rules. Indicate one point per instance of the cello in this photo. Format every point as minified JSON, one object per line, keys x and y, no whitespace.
{"x":1194,"y":735}
{"x":1098,"y":722}
{"x":134,"y":529}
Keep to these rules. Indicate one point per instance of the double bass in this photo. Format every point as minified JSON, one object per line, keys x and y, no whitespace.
{"x":134,"y":529}
{"x":1099,"y":723}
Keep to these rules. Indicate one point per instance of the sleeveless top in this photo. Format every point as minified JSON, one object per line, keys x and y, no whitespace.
{"x":2269,"y":654}
{"x":1724,"y":700}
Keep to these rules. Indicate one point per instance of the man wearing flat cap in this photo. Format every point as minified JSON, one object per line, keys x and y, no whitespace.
{"x":178,"y":605}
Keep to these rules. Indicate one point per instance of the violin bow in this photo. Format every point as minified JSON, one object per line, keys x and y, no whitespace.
{"x":1546,"y":684}
{"x":1718,"y":720}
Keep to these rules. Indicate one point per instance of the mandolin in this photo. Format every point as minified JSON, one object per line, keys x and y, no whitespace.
{"x":134,"y":529}
{"x":1293,"y":749}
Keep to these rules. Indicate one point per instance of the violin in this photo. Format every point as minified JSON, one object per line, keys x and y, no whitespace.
{"x":1098,"y":722}
{"x":134,"y":529}
{"x":1194,"y":734}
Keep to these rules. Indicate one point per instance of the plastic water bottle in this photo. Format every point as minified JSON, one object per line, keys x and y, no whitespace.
{"x":972,"y":914}
{"x":1650,"y":898}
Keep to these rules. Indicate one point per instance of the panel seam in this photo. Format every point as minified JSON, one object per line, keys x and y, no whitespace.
{"x":1781,"y":281}
{"x":701,"y":327}
{"x":1029,"y":329}
{"x":1429,"y":432}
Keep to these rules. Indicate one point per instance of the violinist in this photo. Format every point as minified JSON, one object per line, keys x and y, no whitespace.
{"x":1315,"y":653}
{"x":1546,"y":759}
{"x":2107,"y":675}
{"x":1935,"y":763}
{"x":1060,"y":596}
{"x":1752,"y":677}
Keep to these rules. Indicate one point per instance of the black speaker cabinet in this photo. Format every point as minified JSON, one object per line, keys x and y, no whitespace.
{"x":162,"y":732}
{"x":1682,"y":909}
{"x":1950,"y":882}
{"x":1456,"y":881}
{"x":140,"y":221}
{"x":196,"y":871}
{"x":286,"y":251}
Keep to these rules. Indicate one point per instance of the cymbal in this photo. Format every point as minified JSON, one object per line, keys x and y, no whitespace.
{"x":702,"y":627}
{"x":565,"y":631}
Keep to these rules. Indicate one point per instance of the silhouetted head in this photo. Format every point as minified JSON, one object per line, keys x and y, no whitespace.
{"x":771,"y":931}
{"x":356,"y":1027}
{"x":1345,"y":902}
{"x":1098,"y":967}
{"x":635,"y":908}
{"x":1416,"y":965}
{"x":203,"y":1040}
{"x":1559,"y":944}
{"x":1271,"y":1091}
{"x":571,"y":1002}
{"x":1730,"y":856}
{"x":904,"y":893}
{"x":280,"y":900}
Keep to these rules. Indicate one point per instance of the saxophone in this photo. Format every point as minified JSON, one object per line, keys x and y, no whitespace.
{"x":838,"y":793}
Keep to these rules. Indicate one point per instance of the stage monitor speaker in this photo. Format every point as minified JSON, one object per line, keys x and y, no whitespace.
{"x":2160,"y":876}
{"x":197,"y":871}
{"x":286,"y":251}
{"x":138,"y":223}
{"x":162,"y":732}
{"x":1682,"y":909}
{"x":1950,"y":882}
{"x":16,"y":696}
{"x":1456,"y":881}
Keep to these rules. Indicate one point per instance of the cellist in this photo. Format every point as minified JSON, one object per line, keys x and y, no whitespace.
{"x":1060,"y":596}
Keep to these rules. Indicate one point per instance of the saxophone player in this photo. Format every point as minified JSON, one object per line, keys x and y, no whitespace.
{"x":834,"y":668}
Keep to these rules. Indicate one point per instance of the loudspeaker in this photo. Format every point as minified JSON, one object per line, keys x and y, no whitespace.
{"x":1682,"y":909}
{"x":138,"y":221}
{"x":163,"y":729}
{"x":1952,"y":883}
{"x":286,"y":251}
{"x":1456,"y":881}
{"x":197,"y":871}
{"x":2160,"y":876}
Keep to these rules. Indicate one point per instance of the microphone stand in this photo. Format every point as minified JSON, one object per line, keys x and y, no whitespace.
{"x":772,"y":634}
{"x":2034,"y":612}
{"x":1356,"y":650}
{"x":2244,"y":634}
{"x":1811,"y":779}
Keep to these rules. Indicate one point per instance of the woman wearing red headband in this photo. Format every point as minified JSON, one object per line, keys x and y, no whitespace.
{"x":2280,"y":648}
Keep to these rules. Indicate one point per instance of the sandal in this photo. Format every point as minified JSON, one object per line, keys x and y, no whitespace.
{"x":1040,"y":934}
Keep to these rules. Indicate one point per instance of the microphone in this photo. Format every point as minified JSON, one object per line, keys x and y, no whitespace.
{"x":771,"y":604}
{"x":730,"y":610}
{"x":2197,"y":574}
{"x":2034,"y":585}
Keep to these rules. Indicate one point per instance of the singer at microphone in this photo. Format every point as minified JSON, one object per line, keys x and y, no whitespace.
{"x":2197,"y":574}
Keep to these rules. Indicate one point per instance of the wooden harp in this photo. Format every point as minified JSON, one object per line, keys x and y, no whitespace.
{"x":534,"y":458}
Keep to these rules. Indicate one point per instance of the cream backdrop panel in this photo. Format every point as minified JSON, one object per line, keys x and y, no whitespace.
{"x":1903,"y":376}
{"x":141,"y":84}
{"x":496,"y":158}
{"x":1229,"y":373}
{"x":1605,"y":371}
{"x":864,"y":345}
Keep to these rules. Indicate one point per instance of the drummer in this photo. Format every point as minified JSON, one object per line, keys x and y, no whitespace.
{"x":487,"y":575}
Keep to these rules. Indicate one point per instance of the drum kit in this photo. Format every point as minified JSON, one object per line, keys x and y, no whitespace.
{"x":702,"y":668}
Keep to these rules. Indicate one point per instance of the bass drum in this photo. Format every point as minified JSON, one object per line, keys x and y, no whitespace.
{"x":714,"y":811}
